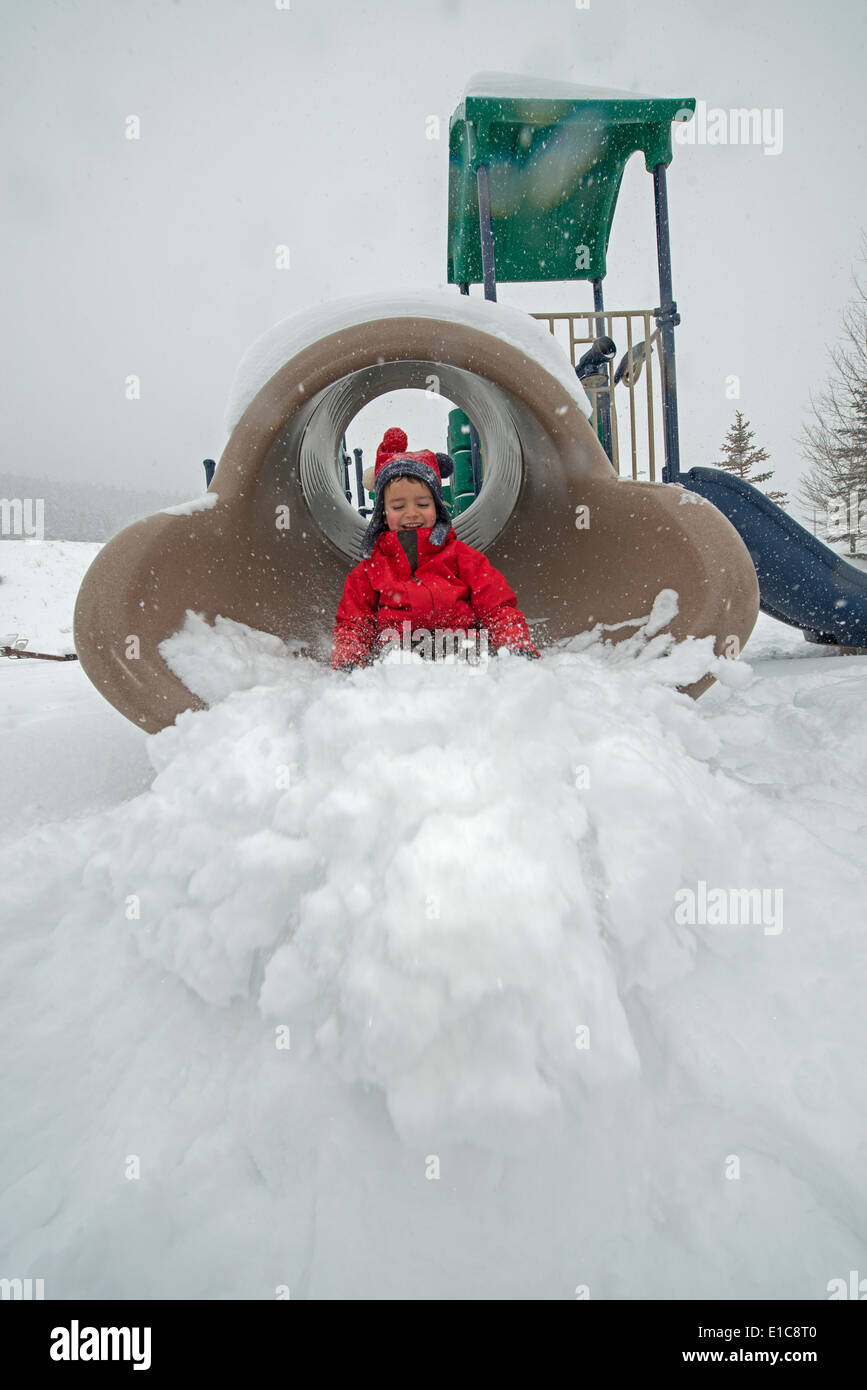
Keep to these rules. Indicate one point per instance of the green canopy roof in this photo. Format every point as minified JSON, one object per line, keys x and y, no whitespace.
{"x":556,"y":155}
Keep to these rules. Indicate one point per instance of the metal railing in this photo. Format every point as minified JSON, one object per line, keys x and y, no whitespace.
{"x":617,"y":384}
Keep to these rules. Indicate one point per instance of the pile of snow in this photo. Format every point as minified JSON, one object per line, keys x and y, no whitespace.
{"x":380,"y":960}
{"x":289,"y":337}
{"x":216,"y":661}
{"x":39,"y":581}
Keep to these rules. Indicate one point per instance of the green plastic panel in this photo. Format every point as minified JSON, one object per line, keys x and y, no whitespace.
{"x":460,"y":449}
{"x":555,"y":169}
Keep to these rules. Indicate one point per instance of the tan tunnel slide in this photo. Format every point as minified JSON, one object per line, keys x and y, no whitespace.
{"x":275,"y":548}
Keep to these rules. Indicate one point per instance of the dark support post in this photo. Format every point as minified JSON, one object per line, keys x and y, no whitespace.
{"x":362,"y":501}
{"x":603,"y":398}
{"x":345,"y":460}
{"x":489,"y":274}
{"x":486,"y":229}
{"x":667,"y":318}
{"x":209,"y":465}
{"x":476,"y":451}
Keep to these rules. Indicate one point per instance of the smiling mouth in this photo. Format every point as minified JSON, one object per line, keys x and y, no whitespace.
{"x":411,"y":525}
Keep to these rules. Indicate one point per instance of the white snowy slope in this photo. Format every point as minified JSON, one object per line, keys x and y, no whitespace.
{"x":65,"y":751}
{"x":38,"y":584}
{"x":430,"y":881}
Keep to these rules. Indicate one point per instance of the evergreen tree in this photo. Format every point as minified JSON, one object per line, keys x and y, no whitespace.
{"x":835,"y":444}
{"x":740,"y":457}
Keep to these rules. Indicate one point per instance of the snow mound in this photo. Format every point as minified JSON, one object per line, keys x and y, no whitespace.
{"x":420,"y":922}
{"x":215,"y":661}
{"x":430,"y":904}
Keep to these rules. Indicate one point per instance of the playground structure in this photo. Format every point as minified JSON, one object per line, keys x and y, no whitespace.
{"x":587,"y":141}
{"x":641,"y":452}
{"x":532,"y":191}
{"x":545,"y":462}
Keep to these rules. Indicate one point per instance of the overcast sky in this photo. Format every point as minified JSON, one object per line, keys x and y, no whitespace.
{"x":306,"y":127}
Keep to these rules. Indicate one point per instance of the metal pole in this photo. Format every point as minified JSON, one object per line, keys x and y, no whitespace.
{"x":362,"y":506}
{"x":345,"y":459}
{"x":603,"y":399}
{"x":489,"y":274}
{"x":487,"y":232}
{"x":476,"y":452}
{"x":667,"y":318}
{"x":598,"y":304}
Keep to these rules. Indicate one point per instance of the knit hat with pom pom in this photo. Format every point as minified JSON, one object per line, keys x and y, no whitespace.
{"x":393,"y":461}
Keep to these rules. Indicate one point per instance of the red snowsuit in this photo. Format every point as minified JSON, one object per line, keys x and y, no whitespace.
{"x":454,"y":587}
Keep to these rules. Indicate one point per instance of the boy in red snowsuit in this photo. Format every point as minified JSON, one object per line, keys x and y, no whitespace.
{"x":415,"y":568}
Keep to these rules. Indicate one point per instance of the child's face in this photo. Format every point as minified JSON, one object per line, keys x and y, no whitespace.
{"x":408,"y":505}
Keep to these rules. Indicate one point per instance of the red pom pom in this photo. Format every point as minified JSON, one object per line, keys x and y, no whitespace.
{"x":394,"y":441}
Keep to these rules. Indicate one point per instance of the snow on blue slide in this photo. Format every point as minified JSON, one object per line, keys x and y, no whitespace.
{"x":801,"y":581}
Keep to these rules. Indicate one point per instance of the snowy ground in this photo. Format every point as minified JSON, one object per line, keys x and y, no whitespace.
{"x":511,"y":1072}
{"x":38,"y":584}
{"x":65,"y":752}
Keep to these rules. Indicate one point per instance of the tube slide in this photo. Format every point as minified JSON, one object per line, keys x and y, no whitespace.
{"x":274,"y":544}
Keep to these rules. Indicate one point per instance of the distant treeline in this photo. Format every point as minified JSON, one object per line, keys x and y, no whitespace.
{"x":86,"y":511}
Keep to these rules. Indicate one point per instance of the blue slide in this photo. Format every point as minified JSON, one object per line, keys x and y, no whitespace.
{"x":801,"y":581}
